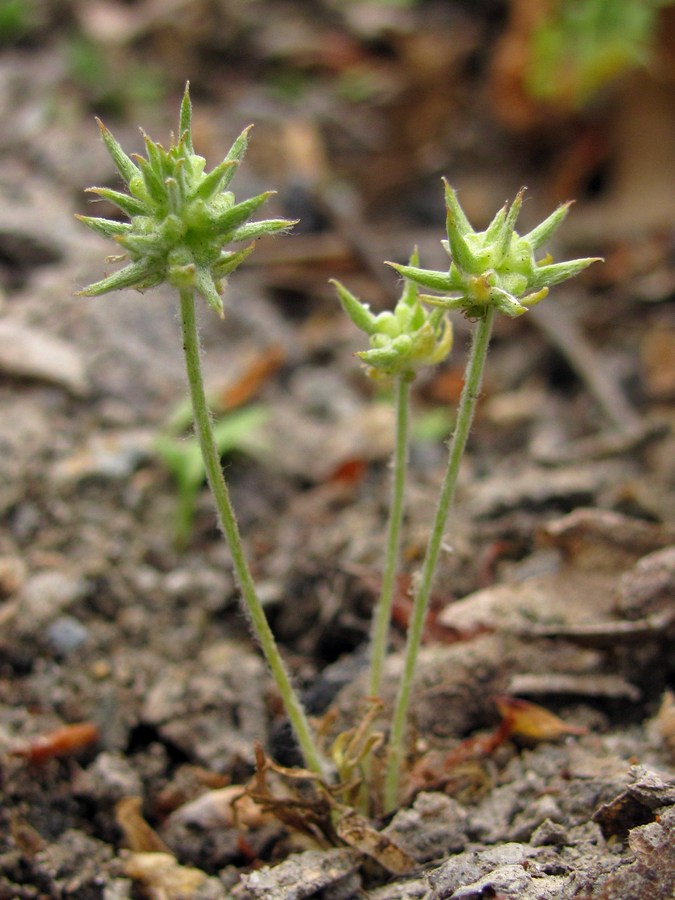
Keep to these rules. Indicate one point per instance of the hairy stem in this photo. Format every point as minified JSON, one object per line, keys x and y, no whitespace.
{"x":380,"y":627}
{"x":467,"y":406}
{"x":228,"y":524}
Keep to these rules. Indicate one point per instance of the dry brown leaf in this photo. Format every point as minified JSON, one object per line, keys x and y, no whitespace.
{"x":357,"y":832}
{"x":533,"y":722}
{"x":227,"y":807}
{"x":163,"y":877}
{"x":664,"y":722}
{"x":138,"y":835}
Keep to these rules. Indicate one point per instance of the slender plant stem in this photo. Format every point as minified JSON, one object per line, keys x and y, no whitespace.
{"x":380,"y":627}
{"x":228,"y":524}
{"x":467,"y":406}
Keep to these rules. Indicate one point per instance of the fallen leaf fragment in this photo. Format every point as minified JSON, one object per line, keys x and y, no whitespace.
{"x":61,"y":742}
{"x":29,"y":353}
{"x":531,"y":721}
{"x":228,"y":807}
{"x":664,"y":723}
{"x":163,"y":876}
{"x":138,"y":835}
{"x":251,"y":380}
{"x":358,"y":833}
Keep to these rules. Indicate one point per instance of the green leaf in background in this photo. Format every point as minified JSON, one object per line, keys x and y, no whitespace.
{"x":238,"y":431}
{"x":580,"y":45}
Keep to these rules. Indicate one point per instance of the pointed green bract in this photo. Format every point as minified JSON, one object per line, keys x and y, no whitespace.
{"x":509,"y":224}
{"x":555,"y":273}
{"x":546,"y":229}
{"x":240,"y":212}
{"x":458,"y":214}
{"x":214,"y":182}
{"x":435,"y":281}
{"x":228,"y":262}
{"x":358,"y":312}
{"x":129,"y":205}
{"x":180,"y":215}
{"x":105,"y":227}
{"x":185,"y":121}
{"x":124,"y":164}
{"x":254,"y":230}
{"x":137,"y":274}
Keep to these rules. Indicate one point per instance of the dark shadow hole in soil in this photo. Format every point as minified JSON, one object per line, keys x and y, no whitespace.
{"x":295,"y":305}
{"x":560,"y":377}
{"x":20,"y":255}
{"x":143,"y":736}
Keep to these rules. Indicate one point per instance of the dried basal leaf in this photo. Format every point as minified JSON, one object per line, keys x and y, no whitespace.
{"x":138,"y":835}
{"x":664,"y":723}
{"x":163,"y":877}
{"x":528,"y":720}
{"x":228,"y":807}
{"x":600,"y":539}
{"x":358,"y":833}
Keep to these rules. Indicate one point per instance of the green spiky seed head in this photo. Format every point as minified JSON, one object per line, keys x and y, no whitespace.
{"x":401,"y":341}
{"x":181,"y":218}
{"x":496,"y":267}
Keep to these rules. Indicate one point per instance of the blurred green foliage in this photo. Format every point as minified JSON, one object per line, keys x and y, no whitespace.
{"x":237,"y":431}
{"x":580,"y":45}
{"x":18,"y":18}
{"x":113,"y":83}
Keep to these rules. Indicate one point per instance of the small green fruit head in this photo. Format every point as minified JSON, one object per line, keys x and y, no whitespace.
{"x":181,"y":217}
{"x":401,"y":341}
{"x":496,"y":267}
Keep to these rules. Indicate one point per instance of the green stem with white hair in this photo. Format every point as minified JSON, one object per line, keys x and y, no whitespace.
{"x":228,"y":524}
{"x":382,"y":616}
{"x":467,"y":407}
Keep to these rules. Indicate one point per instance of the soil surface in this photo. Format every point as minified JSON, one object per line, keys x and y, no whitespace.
{"x":132,"y":698}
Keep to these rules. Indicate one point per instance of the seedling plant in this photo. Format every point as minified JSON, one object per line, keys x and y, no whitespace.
{"x":182,"y":223}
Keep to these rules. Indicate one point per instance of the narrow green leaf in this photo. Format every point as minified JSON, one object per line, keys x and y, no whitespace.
{"x":237,"y":214}
{"x":152,"y":181}
{"x":444,"y":303}
{"x":435,"y":281}
{"x":106,"y":227}
{"x":461,"y":253}
{"x":206,"y":286}
{"x":213,"y":183}
{"x":154,"y":153}
{"x":129,"y":205}
{"x":494,"y":228}
{"x":458,"y":214}
{"x":238,"y":150}
{"x":410,"y":291}
{"x":543,"y":231}
{"x":173,"y":196}
{"x":229,"y":261}
{"x":555,"y":273}
{"x":510,"y":222}
{"x":358,"y":312}
{"x":123,"y":163}
{"x":253,"y":230}
{"x":138,"y":274}
{"x":185,"y":122}
{"x":142,"y":244}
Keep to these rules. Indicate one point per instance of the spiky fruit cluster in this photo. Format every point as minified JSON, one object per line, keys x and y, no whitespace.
{"x":181,"y":217}
{"x":496,"y":267}
{"x":403,"y":340}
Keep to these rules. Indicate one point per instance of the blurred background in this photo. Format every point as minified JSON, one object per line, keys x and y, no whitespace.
{"x":575,"y":98}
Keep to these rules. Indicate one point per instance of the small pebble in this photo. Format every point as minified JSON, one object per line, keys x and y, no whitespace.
{"x":67,"y":634}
